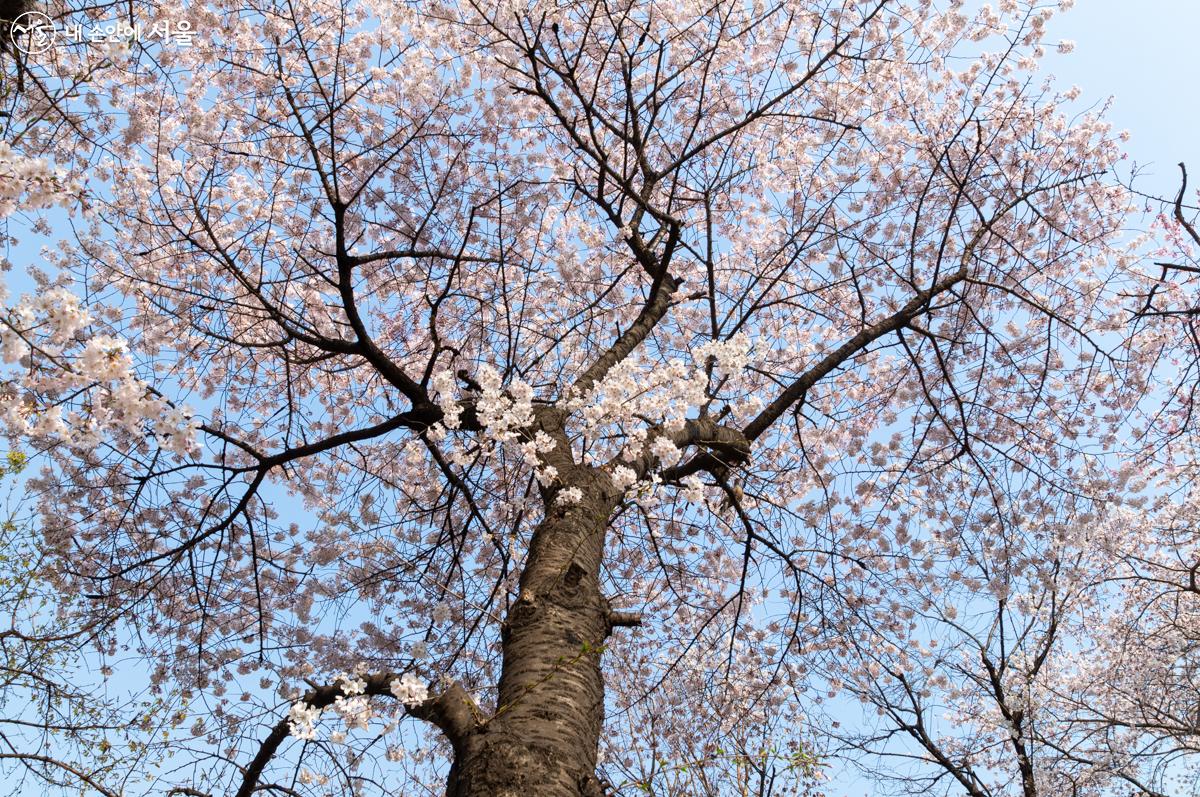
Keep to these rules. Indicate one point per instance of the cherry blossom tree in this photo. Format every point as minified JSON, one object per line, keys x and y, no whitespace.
{"x":59,"y":728}
{"x":574,"y":398}
{"x":1125,"y":691}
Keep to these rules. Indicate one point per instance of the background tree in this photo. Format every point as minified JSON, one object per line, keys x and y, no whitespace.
{"x":1126,"y":688}
{"x":59,"y":728}
{"x":599,"y":384}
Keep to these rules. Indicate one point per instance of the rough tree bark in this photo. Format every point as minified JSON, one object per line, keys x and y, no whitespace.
{"x":544,"y":735}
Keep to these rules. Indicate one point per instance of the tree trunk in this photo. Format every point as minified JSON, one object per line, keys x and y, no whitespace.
{"x":543,"y":739}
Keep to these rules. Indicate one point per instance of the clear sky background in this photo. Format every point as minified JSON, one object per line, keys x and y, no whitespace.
{"x":1145,"y":55}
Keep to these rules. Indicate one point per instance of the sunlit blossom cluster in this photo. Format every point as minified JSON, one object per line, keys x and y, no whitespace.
{"x":46,"y":340}
{"x":31,"y":182}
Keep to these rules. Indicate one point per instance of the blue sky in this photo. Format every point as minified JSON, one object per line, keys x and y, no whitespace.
{"x":1145,"y":54}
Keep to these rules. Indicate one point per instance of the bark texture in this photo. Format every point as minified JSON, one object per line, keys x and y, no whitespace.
{"x":544,"y":735}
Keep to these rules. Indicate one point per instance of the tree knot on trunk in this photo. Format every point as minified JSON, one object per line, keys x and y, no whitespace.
{"x":574,"y":575}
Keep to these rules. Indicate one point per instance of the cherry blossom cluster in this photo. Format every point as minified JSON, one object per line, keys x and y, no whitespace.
{"x":643,"y":406}
{"x":353,"y":707}
{"x":77,"y":387}
{"x":31,"y":183}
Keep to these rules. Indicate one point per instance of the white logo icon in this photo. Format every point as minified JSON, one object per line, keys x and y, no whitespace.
{"x":32,"y":33}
